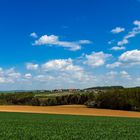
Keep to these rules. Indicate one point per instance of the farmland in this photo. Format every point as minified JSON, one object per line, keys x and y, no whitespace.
{"x":15,"y":126}
{"x":117,"y":98}
{"x":69,"y":110}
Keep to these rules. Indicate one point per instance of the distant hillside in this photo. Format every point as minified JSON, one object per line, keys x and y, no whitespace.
{"x":105,"y":88}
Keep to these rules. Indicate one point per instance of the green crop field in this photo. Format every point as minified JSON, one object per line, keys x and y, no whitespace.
{"x":22,"y":126}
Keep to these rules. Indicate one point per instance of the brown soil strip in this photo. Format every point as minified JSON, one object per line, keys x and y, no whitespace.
{"x":70,"y":110}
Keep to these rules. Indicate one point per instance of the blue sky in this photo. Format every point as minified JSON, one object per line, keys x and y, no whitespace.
{"x":47,"y":44}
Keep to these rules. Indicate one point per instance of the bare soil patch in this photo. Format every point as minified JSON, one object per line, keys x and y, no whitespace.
{"x":70,"y":110}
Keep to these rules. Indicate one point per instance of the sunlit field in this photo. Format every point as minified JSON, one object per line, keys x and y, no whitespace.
{"x":15,"y":126}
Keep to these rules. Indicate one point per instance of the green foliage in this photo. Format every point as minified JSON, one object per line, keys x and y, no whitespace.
{"x":17,"y":98}
{"x":120,"y":98}
{"x":106,"y":88}
{"x":22,"y":126}
{"x":123,"y":99}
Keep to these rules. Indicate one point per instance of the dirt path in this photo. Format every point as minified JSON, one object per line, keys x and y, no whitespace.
{"x":69,"y":109}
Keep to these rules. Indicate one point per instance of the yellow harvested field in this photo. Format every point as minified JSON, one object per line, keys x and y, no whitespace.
{"x":69,"y":110}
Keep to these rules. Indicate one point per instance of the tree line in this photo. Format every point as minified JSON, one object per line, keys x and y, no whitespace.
{"x":122,"y":99}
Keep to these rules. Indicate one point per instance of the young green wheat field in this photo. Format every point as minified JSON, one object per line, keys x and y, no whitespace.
{"x":26,"y":126}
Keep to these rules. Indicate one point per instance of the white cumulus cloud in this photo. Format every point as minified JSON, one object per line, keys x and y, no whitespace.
{"x":128,"y":58}
{"x":54,"y":40}
{"x":117,"y":30}
{"x":28,"y":75}
{"x":34,"y":35}
{"x":31,"y":66}
{"x":61,"y":65}
{"x":117,"y":48}
{"x":114,"y":65}
{"x":96,"y":59}
{"x":131,"y":34}
{"x":131,"y":57}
